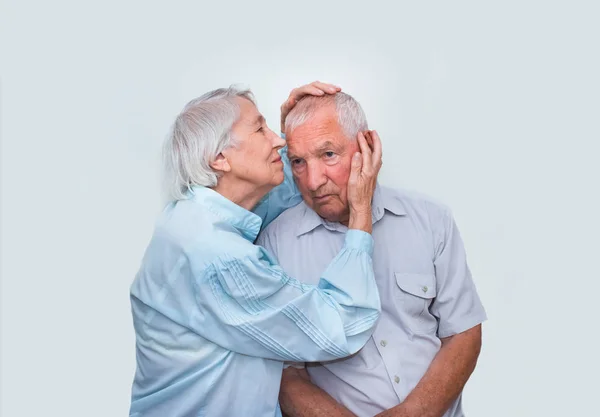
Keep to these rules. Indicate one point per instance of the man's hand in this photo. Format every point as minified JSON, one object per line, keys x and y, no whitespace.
{"x":398,"y":411}
{"x":316,"y":88}
{"x":363,"y":179}
{"x":298,"y":397}
{"x":445,"y":378}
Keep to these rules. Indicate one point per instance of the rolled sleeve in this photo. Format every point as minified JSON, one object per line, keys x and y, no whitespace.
{"x":457,"y":305}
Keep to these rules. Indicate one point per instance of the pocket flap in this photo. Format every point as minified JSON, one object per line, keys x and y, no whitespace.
{"x":420,"y":285}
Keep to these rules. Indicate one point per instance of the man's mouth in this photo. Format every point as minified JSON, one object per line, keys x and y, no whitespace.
{"x":321,"y":198}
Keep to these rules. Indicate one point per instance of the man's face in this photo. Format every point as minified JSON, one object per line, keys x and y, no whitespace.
{"x":321,"y":156}
{"x":254,"y":159}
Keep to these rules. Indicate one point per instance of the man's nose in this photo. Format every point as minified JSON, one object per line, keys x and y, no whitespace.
{"x":316,"y":176}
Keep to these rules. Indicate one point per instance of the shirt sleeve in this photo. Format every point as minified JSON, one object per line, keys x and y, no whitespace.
{"x":251,"y":306}
{"x":280,"y":198}
{"x":457,"y":305}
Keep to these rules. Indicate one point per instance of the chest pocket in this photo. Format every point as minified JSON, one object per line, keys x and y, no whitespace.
{"x":415,"y":294}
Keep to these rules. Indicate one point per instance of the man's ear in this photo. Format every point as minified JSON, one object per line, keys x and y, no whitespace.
{"x":220,"y":164}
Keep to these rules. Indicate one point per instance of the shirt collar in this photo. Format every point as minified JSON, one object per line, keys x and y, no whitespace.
{"x":382,"y":201}
{"x":246,"y":222}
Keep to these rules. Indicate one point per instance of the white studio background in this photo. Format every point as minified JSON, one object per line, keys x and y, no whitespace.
{"x":490,"y":107}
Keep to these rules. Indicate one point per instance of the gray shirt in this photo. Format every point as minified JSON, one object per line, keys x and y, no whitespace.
{"x":425,"y":285}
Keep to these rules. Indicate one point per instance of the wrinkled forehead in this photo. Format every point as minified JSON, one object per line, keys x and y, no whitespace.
{"x":320,"y":130}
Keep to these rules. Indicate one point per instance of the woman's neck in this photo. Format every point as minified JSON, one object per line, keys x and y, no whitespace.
{"x":241,"y":193}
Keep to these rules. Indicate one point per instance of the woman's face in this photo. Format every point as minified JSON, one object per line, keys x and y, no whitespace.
{"x":254,"y":159}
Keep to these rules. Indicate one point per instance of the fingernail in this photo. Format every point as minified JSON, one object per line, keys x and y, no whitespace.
{"x":357,"y":156}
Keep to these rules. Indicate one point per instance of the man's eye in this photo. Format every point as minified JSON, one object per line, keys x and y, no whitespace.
{"x":296,"y":161}
{"x":329,"y":154}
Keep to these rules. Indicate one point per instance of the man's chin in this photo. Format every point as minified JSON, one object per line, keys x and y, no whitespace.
{"x":329,"y":213}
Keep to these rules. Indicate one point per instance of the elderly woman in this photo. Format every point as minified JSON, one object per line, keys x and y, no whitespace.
{"x":215,"y":316}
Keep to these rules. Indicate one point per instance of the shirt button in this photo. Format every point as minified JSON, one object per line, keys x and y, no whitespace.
{"x":383,"y":343}
{"x":425,"y":288}
{"x":396,"y":379}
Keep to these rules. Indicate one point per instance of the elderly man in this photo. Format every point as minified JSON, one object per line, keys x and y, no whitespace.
{"x":428,"y":338}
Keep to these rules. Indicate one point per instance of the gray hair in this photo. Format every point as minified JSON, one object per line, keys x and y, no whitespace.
{"x":201,"y":131}
{"x":350,"y":114}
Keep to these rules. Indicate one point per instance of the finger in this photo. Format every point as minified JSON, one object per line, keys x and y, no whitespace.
{"x":288,"y":104}
{"x":306,"y":90}
{"x":328,"y":88}
{"x":365,"y":151}
{"x":295,"y":95}
{"x":291,"y":100}
{"x":355,"y":168}
{"x":369,"y":138}
{"x":377,"y":149}
{"x":363,"y":143}
{"x":285,"y":109}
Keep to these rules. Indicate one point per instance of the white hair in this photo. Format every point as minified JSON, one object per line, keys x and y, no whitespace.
{"x":201,"y":131}
{"x":350,"y":114}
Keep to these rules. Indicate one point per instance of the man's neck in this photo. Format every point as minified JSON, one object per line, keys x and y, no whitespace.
{"x":243,"y":194}
{"x":344,"y":218}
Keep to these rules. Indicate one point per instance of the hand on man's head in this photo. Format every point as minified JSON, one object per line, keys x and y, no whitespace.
{"x":315,"y":88}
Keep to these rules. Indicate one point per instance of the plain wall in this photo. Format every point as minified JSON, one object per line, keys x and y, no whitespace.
{"x":490,"y":107}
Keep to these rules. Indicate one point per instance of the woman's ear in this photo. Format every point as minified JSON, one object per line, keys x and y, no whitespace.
{"x":220,"y":164}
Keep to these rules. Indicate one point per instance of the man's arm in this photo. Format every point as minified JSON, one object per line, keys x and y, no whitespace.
{"x":460,"y":314}
{"x":439,"y":387}
{"x":445,"y":378}
{"x":299,"y":397}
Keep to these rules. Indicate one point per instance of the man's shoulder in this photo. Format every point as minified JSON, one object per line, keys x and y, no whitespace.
{"x":422,"y":208}
{"x":413,"y":202}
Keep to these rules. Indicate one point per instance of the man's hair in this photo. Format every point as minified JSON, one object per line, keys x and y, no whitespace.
{"x":350,"y":114}
{"x":201,"y":131}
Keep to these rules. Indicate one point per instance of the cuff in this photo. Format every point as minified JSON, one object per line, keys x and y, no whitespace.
{"x":360,"y":240}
